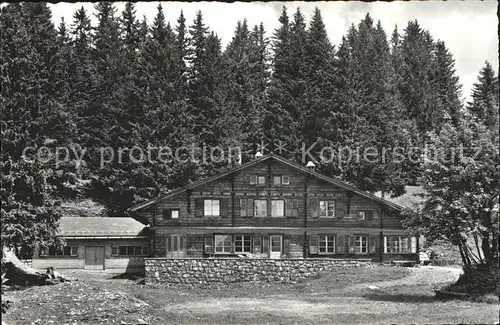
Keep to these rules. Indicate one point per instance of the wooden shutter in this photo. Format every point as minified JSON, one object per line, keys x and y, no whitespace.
{"x":167,"y":214}
{"x":288,"y":208}
{"x":250,"y":208}
{"x":243,"y":207}
{"x":314,"y":208}
{"x":286,"y":244}
{"x":182,"y":244}
{"x":209,"y":244}
{"x":373,"y":244}
{"x":340,"y":208}
{"x":224,"y":207}
{"x":340,"y":249}
{"x":265,"y":244}
{"x":257,"y":244}
{"x":351,"y":245}
{"x":253,"y":179}
{"x":198,"y":207}
{"x":295,"y":208}
{"x":313,"y":244}
{"x":369,"y":215}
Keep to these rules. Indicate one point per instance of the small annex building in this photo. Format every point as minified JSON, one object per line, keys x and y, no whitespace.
{"x":115,"y":244}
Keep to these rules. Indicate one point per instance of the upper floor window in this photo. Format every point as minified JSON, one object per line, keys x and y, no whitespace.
{"x":326,"y":244}
{"x":257,"y":180}
{"x":211,"y":207}
{"x":281,"y":180}
{"x":170,"y":213}
{"x":365,"y":215}
{"x":327,"y":209}
{"x":260,"y":208}
{"x":277,"y":208}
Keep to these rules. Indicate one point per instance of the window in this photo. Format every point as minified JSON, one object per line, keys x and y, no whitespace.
{"x":242,"y":243}
{"x":65,"y":251}
{"x":396,"y":244}
{"x":260,"y":208}
{"x":129,"y":250}
{"x":170,"y":214}
{"x":326,"y":244}
{"x":222,"y":244}
{"x":211,"y":207}
{"x":281,"y":180}
{"x":277,"y":208}
{"x":361,"y":215}
{"x":361,"y":245}
{"x":365,"y":215}
{"x":175,"y":246}
{"x":256,"y":179}
{"x":327,"y":209}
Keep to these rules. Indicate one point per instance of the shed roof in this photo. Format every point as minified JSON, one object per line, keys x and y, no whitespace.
{"x":100,"y":227}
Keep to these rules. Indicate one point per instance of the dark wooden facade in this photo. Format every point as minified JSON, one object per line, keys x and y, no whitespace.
{"x":314,"y":216}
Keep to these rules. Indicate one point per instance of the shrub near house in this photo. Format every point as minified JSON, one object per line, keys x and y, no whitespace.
{"x":273,"y":208}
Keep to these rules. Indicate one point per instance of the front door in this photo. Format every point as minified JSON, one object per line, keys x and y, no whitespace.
{"x":94,"y":258}
{"x":276,"y":245}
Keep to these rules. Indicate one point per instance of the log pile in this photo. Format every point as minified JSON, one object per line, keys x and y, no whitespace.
{"x":15,"y":272}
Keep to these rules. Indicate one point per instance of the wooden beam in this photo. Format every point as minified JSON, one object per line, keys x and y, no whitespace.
{"x":188,"y":198}
{"x":233,"y":194}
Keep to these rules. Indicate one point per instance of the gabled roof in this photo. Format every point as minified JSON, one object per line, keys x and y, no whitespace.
{"x":259,"y":160}
{"x":411,"y":199}
{"x":100,"y":227}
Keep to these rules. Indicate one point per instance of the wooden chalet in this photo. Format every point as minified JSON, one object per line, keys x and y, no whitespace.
{"x":273,"y":208}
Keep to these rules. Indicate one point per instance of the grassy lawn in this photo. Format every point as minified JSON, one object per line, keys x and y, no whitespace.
{"x":402,"y":295}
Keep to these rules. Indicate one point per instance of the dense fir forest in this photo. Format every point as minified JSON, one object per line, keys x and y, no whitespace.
{"x":127,"y":82}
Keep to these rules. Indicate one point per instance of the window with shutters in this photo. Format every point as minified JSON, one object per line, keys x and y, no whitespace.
{"x":277,"y":208}
{"x":285,"y":180}
{"x":397,"y":244}
{"x":327,"y":209}
{"x":326,"y":244}
{"x":260,"y":208}
{"x":361,"y":215}
{"x":242,"y":243}
{"x":211,"y":207}
{"x":223,"y":244}
{"x":361,"y":244}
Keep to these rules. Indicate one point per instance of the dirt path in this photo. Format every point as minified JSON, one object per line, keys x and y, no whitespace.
{"x":424,"y":275}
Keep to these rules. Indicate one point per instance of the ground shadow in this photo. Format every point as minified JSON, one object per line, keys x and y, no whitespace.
{"x":407,"y":298}
{"x":128,"y":276}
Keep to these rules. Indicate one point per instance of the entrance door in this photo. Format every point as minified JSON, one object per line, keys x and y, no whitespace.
{"x":94,"y":258}
{"x":276,"y":245}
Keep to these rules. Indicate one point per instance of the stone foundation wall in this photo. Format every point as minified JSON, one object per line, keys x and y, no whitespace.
{"x":203,"y":271}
